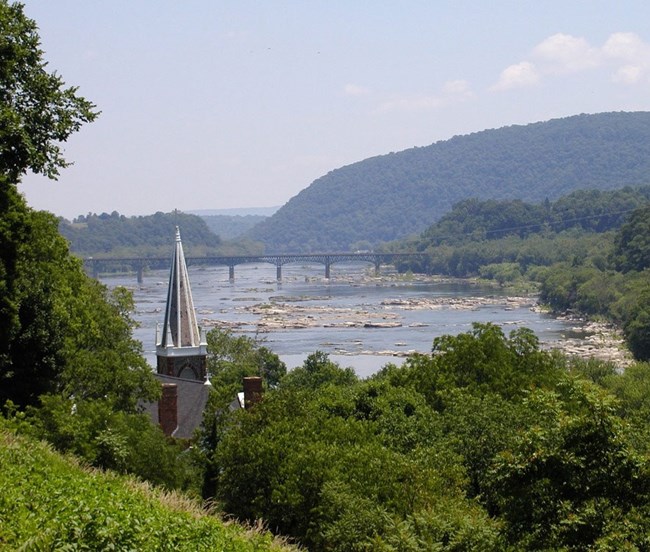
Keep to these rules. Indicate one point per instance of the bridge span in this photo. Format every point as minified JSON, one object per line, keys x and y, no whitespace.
{"x":96,"y":265}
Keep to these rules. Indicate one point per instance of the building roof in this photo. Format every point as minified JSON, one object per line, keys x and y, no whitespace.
{"x":192,"y":398}
{"x":180,"y":328}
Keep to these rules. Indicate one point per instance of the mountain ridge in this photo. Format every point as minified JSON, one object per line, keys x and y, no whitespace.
{"x":391,"y":196}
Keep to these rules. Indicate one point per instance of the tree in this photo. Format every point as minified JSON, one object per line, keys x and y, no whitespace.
{"x":59,"y":330}
{"x":31,"y":324}
{"x":633,"y":242}
{"x":37,"y":112}
{"x":569,"y":475}
{"x":485,"y":360}
{"x":231,"y":358}
{"x":62,"y":331}
{"x":317,"y":371}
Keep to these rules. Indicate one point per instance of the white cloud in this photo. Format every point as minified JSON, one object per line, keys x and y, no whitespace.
{"x":355,"y":90}
{"x":625,"y":55}
{"x":628,"y":74}
{"x":626,"y":47}
{"x":563,"y":53}
{"x":633,"y":53}
{"x":520,"y":74}
{"x":452,"y":92}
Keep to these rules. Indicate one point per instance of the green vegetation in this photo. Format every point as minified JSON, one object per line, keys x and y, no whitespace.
{"x":488,"y":443}
{"x":51,"y":503}
{"x":233,"y":357}
{"x":392,"y":196}
{"x":37,"y":113}
{"x":115,"y":235}
{"x":588,"y":253}
{"x":598,"y":288}
{"x":70,"y":371}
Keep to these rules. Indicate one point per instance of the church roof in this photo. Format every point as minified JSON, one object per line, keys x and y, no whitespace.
{"x":192,"y":398}
{"x":180,"y":328}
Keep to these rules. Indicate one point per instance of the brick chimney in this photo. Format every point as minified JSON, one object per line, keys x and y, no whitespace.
{"x":252,"y":391}
{"x":168,"y":408}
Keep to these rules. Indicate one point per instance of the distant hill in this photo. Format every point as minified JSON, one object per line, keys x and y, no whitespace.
{"x":235,"y":211}
{"x":391,"y":196}
{"x":150,"y":236}
{"x":228,"y":227}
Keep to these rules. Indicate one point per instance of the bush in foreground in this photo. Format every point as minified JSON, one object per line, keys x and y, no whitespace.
{"x":50,"y":503}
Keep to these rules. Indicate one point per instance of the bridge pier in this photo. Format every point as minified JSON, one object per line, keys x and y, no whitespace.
{"x":278,"y":272}
{"x":231,"y":273}
{"x":377,"y":268}
{"x":140,"y":273}
{"x":327,"y":270}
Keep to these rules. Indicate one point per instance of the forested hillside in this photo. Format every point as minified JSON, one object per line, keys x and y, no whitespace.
{"x":391,"y":196}
{"x":473,"y":220}
{"x":152,"y":235}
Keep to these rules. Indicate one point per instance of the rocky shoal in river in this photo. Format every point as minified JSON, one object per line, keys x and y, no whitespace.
{"x":591,"y":340}
{"x":596,"y":340}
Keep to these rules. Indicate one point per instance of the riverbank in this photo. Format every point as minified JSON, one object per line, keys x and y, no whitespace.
{"x":597,"y":340}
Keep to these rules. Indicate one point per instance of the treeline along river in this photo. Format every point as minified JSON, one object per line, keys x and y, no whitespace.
{"x":360,"y":320}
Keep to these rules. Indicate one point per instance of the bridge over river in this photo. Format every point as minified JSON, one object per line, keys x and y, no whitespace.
{"x":97,"y":265}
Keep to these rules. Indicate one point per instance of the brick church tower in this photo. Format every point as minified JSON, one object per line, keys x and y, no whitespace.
{"x":181,"y":348}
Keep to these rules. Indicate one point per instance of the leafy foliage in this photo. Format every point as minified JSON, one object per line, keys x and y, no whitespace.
{"x":231,"y":358}
{"x":489,"y":443}
{"x":36,"y":112}
{"x":63,"y":332}
{"x":633,"y":242}
{"x":111,"y":439}
{"x":69,"y":367}
{"x":570,"y":473}
{"x":392,"y":196}
{"x":49,"y":503}
{"x":595,"y":288}
{"x":588,"y":252}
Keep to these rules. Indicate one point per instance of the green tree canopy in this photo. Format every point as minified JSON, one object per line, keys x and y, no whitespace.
{"x":59,"y":330}
{"x":37,"y":111}
{"x":633,"y":242}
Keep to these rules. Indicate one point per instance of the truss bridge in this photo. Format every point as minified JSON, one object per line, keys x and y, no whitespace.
{"x":97,"y":265}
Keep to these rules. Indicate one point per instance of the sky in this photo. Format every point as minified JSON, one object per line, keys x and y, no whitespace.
{"x":213,"y":104}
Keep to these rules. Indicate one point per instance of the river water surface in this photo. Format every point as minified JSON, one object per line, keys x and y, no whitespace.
{"x":360,"y":321}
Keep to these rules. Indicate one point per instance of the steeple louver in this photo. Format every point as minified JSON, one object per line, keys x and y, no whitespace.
{"x":180,"y":346}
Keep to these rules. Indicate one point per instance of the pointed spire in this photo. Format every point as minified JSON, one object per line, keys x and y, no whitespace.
{"x":180,"y":328}
{"x":181,"y":348}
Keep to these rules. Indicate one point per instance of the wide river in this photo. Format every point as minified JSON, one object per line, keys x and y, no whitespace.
{"x":360,"y":321}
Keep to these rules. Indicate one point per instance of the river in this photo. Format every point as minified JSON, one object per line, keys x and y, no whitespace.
{"x":360,"y":321}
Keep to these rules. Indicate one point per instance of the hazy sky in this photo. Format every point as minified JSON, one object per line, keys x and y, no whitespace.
{"x":210,"y":104}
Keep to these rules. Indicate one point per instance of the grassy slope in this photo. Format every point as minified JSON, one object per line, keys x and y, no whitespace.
{"x":50,"y":503}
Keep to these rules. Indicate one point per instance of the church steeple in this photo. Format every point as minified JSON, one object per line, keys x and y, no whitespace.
{"x":180,"y":346}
